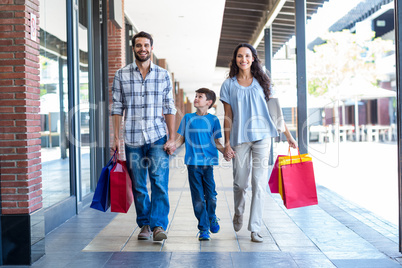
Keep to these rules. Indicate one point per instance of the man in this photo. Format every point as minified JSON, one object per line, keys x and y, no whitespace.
{"x":143,"y":91}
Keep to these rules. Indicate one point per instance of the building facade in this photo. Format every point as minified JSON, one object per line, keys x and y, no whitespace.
{"x":57,"y":63}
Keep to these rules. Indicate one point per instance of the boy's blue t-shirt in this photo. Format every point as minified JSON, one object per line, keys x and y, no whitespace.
{"x":200,"y":132}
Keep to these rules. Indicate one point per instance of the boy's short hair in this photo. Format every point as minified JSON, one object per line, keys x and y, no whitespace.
{"x":208,"y":93}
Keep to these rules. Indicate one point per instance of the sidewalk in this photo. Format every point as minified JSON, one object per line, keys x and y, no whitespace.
{"x":331,"y":234}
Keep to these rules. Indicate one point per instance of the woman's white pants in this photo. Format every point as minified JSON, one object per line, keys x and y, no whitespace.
{"x":251,"y":160}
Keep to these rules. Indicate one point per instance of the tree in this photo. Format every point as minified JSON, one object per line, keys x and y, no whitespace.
{"x":344,"y":55}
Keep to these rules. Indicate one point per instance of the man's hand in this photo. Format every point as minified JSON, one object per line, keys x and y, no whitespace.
{"x":170,"y":146}
{"x":115,"y":146}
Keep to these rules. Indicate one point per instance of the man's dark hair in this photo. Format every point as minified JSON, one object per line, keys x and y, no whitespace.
{"x":208,"y":93}
{"x":142,"y":34}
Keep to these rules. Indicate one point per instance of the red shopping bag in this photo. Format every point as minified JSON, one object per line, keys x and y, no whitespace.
{"x":274,"y":178}
{"x":121,"y":191}
{"x":298,"y":182}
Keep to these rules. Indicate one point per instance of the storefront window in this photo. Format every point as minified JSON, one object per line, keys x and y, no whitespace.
{"x":54,"y":102}
{"x":85,"y":114}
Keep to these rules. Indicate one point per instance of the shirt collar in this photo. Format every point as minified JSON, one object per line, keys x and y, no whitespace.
{"x":137,"y":69}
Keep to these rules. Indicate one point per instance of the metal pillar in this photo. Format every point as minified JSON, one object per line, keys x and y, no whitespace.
{"x":268,"y":49}
{"x":300,"y":25}
{"x":398,"y":46}
{"x":268,"y":67}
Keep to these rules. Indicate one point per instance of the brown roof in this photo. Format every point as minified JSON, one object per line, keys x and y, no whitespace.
{"x":244,"y":20}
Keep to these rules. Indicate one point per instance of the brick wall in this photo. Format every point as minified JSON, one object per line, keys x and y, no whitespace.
{"x":20,"y":164}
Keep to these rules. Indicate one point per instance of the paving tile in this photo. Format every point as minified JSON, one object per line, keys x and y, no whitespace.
{"x":66,"y":246}
{"x":201,"y":259}
{"x":315,"y":263}
{"x":220,"y":245}
{"x":142,"y":245}
{"x":366,"y":263}
{"x":89,"y":260}
{"x":303,"y":250}
{"x":332,"y":234}
{"x":262,"y":259}
{"x":258,"y":247}
{"x":139,"y":260}
{"x":180,"y":247}
{"x":107,"y":243}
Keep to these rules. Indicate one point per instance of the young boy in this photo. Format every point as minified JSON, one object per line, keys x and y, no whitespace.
{"x":200,"y":131}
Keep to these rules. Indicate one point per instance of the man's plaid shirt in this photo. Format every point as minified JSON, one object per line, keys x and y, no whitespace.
{"x":144,"y":101}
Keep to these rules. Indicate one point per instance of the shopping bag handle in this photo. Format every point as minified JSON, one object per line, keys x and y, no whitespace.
{"x":290,"y":154}
{"x":115,"y":155}
{"x":113,"y":159}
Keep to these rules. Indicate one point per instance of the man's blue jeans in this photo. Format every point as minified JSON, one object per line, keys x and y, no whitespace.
{"x":152,"y":160}
{"x":203,"y":194}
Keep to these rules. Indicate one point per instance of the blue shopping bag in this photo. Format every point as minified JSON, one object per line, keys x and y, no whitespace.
{"x":101,"y":199}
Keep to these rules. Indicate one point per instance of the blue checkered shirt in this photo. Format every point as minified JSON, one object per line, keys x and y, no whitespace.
{"x":144,"y":101}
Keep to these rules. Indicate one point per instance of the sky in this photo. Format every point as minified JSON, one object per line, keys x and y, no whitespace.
{"x":331,"y":11}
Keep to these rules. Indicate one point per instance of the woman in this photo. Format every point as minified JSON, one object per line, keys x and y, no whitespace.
{"x":248,"y":129}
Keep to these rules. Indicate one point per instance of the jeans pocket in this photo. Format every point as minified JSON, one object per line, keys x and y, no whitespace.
{"x":161,"y":141}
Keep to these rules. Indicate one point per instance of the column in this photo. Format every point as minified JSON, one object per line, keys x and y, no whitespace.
{"x":302,"y":126}
{"x":22,"y":222}
{"x":116,"y":59}
{"x":268,"y":66}
{"x":398,"y":47}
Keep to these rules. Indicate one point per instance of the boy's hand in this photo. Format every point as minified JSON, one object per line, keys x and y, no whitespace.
{"x":228,"y":153}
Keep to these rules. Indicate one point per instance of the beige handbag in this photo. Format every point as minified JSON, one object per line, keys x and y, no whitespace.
{"x":275,"y":111}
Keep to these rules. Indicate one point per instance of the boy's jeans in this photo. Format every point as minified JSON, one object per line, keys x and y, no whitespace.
{"x":152,"y":160}
{"x":203,"y":194}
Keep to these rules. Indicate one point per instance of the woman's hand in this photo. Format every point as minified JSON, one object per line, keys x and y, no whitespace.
{"x":228,"y":153}
{"x":292,"y":142}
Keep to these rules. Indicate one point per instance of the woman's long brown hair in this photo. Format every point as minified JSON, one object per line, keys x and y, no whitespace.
{"x":256,"y":69}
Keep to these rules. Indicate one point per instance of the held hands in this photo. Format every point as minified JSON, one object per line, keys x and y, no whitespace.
{"x":228,"y":153}
{"x":170,"y":146}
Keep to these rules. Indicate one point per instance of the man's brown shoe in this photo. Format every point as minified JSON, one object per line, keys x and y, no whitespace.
{"x":159,"y":234}
{"x":145,"y":233}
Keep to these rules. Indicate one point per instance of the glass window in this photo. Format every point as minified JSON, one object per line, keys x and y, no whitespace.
{"x":54,"y":102}
{"x":84,"y":98}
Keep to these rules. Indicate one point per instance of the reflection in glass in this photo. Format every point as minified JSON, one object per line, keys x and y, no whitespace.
{"x":84,"y":98}
{"x":54,"y":102}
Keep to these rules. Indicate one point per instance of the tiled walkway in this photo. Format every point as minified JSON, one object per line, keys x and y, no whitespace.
{"x":332,"y":234}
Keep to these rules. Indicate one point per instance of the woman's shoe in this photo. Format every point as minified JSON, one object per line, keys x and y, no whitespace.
{"x":256,"y":237}
{"x":237,"y":222}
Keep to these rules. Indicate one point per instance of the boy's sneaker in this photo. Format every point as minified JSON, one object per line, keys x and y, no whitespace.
{"x":203,"y":236}
{"x":214,"y":225}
